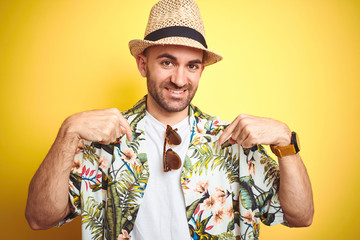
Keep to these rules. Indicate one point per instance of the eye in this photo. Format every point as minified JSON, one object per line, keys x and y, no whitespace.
{"x":193,"y":66}
{"x":167,"y":63}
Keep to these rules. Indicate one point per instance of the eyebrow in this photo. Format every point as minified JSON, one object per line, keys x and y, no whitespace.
{"x":166,"y":55}
{"x":195,"y":61}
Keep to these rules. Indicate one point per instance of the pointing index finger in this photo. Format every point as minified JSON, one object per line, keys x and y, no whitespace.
{"x":124,"y":126}
{"x":227,"y":132}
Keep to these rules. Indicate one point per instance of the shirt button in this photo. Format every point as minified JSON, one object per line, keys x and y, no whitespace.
{"x":129,"y":218}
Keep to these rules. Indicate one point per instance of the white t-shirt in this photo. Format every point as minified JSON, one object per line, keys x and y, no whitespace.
{"x":162,"y":213}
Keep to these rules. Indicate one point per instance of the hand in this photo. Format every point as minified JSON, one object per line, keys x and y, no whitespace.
{"x":103,"y":126}
{"x":248,"y":131}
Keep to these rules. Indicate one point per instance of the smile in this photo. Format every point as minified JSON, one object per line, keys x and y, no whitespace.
{"x":177,"y":92}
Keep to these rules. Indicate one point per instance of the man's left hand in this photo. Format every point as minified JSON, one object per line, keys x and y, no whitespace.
{"x":247,"y":131}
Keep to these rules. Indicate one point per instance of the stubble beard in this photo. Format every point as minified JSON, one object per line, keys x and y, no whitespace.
{"x":175,"y":105}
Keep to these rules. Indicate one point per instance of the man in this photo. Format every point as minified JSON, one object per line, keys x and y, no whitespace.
{"x":164,"y":169}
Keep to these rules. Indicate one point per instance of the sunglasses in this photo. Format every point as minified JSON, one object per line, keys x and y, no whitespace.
{"x":171,"y":160}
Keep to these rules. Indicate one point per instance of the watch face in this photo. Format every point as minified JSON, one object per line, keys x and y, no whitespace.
{"x":295,"y":141}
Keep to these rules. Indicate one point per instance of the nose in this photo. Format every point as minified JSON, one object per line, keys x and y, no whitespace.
{"x":179,"y":77}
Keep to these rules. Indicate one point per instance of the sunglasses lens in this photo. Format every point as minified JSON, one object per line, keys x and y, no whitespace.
{"x":173,"y":137}
{"x":173,"y":160}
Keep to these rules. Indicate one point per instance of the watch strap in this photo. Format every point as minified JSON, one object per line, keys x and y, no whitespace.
{"x":283,"y":151}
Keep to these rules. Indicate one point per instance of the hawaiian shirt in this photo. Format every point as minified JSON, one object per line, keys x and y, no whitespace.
{"x":227,"y":189}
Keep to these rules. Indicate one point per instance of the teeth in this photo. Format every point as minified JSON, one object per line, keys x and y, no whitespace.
{"x":175,"y":91}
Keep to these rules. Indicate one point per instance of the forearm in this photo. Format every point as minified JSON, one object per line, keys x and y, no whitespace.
{"x":48,"y":199}
{"x":295,"y":192}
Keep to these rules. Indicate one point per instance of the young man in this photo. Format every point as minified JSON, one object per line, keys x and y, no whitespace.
{"x":164,"y":169}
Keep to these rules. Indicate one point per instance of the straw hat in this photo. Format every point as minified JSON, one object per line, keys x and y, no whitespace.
{"x":175,"y":22}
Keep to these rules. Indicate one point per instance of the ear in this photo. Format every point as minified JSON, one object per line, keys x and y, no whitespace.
{"x":141,"y":64}
{"x":202,"y":69}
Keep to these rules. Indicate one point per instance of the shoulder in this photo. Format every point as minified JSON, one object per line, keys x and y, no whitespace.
{"x":207,"y":123}
{"x":200,"y":116}
{"x":138,"y":109}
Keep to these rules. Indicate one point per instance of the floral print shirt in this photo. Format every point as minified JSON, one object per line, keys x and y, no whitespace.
{"x":227,"y":189}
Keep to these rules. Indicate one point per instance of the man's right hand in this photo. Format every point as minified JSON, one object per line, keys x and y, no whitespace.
{"x":103,"y":126}
{"x":48,"y":200}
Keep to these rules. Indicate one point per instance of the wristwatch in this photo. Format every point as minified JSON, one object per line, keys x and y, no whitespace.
{"x":291,"y":149}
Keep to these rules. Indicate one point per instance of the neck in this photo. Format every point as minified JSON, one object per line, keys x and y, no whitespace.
{"x":164,"y":116}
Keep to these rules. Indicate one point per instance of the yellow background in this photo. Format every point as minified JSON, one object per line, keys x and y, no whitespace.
{"x":297,"y":61}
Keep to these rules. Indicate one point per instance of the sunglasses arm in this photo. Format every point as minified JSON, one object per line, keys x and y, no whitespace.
{"x":164,"y":156}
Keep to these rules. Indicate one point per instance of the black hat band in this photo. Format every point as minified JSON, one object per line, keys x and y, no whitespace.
{"x":176,"y":31}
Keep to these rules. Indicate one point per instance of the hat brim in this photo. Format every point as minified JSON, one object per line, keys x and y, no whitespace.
{"x":138,"y":46}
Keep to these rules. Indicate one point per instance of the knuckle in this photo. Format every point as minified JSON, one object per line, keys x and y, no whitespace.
{"x":251,"y":142}
{"x":101,"y":139}
{"x":105,"y":142}
{"x":251,"y":135}
{"x":113,"y":121}
{"x":115,"y":111}
{"x":248,"y":144}
{"x":112,"y":139}
{"x":235,"y":135}
{"x":247,"y":129}
{"x":242,"y":115}
{"x":117,"y":135}
{"x":107,"y":134}
{"x":245,"y":121}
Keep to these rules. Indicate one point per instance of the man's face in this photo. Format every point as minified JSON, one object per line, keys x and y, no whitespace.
{"x":173,"y":74}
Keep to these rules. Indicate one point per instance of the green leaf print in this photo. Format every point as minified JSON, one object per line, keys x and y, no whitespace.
{"x":123,"y":194}
{"x":92,"y":217}
{"x":187,"y":164}
{"x":113,"y":212}
{"x":216,"y":158}
{"x":89,"y":153}
{"x":246,"y":194}
{"x":142,"y":157}
{"x":191,"y":209}
{"x":271,"y":169}
{"x":263,"y":200}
